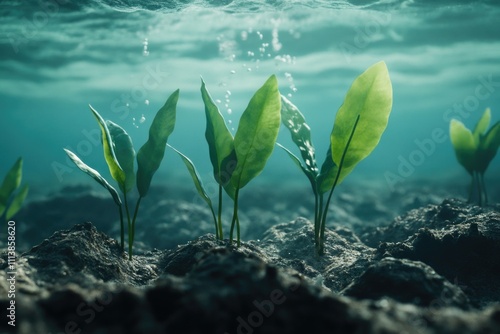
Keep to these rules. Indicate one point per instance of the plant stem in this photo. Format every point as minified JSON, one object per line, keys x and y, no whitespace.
{"x":479,"y":189}
{"x":215,"y":222}
{"x":323,"y":220}
{"x":235,"y":217}
{"x":131,"y":232}
{"x":471,"y":188}
{"x":484,"y":189}
{"x":317,"y":223}
{"x":122,"y":229}
{"x":221,"y":235}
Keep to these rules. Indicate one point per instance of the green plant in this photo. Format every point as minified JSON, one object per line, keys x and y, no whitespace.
{"x":236,"y":161}
{"x":358,"y":127}
{"x":475,"y":150}
{"x":11,"y":202}
{"x":120,"y":155}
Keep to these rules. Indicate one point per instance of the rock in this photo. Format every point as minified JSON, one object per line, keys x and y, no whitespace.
{"x":407,"y":282}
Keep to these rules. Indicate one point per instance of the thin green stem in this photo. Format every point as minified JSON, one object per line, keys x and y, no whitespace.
{"x":131,"y":232}
{"x":323,"y":220}
{"x":317,"y":223}
{"x":219,"y":221}
{"x":235,"y":216}
{"x":238,"y":235}
{"x":122,"y":229}
{"x":471,"y":188}
{"x":479,"y":189}
{"x":215,"y":222}
{"x":484,"y":189}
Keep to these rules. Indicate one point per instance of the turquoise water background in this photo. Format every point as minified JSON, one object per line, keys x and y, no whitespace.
{"x":126,"y":57}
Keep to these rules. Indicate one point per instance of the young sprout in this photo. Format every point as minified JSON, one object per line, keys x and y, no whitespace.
{"x":236,"y":161}
{"x":475,"y":150}
{"x":10,"y":200}
{"x":120,"y":155}
{"x":357,"y":130}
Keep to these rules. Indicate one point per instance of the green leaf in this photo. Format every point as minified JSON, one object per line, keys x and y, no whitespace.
{"x":257,"y":132}
{"x":488,"y":148}
{"x":370,"y":97}
{"x":10,"y":183}
{"x":151,"y":153}
{"x":115,"y":169}
{"x":125,"y":154}
{"x":17,"y":202}
{"x":220,"y":143}
{"x":482,"y":125}
{"x":310,"y":175}
{"x":195,"y":176}
{"x":464,"y":145}
{"x":327,"y":174}
{"x":300,"y":131}
{"x":95,"y":175}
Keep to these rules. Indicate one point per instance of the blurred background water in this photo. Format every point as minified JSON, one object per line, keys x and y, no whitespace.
{"x":126,"y":57}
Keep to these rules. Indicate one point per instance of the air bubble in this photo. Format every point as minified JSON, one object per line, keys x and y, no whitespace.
{"x":142,"y":119}
{"x":229,"y":111}
{"x":233,"y":72}
{"x":146,"y":102}
{"x":218,"y":101}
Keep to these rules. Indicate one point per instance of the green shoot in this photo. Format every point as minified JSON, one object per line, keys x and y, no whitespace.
{"x":10,"y":200}
{"x":236,"y":161}
{"x":475,"y":150}
{"x":120,"y":155}
{"x":359,"y":125}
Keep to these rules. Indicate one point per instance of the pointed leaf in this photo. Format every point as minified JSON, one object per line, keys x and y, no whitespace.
{"x":220,"y":142}
{"x":195,"y":176}
{"x":464,"y":145}
{"x":296,"y":160}
{"x":115,"y":169}
{"x":328,"y":173}
{"x":482,"y":125}
{"x":151,"y":153}
{"x":300,"y":131}
{"x":95,"y":175}
{"x":10,"y":183}
{"x":488,"y":148}
{"x":125,"y":154}
{"x":370,"y":97}
{"x":17,"y":202}
{"x":257,"y":132}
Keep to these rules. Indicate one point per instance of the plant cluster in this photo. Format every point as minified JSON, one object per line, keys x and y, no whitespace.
{"x":11,"y":196}
{"x":238,"y":159}
{"x":475,"y":150}
{"x":120,"y":155}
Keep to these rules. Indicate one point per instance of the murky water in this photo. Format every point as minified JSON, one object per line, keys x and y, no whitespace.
{"x":126,"y":57}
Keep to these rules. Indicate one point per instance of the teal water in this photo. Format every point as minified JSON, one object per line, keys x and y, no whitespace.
{"x":126,"y":57}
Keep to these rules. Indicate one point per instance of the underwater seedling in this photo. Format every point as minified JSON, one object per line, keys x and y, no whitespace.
{"x":236,"y":161}
{"x":120,"y":155}
{"x":475,"y":150}
{"x":357,"y":130}
{"x":10,"y":200}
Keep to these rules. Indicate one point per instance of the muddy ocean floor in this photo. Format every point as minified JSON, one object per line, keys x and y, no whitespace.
{"x":418,"y":260}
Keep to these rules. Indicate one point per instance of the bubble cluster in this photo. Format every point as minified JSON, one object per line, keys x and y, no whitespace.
{"x":145,"y":51}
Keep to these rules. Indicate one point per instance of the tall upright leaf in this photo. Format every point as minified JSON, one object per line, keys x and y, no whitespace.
{"x":488,"y":148}
{"x":370,"y":97}
{"x":115,"y":169}
{"x":17,"y":202}
{"x":125,"y":154}
{"x":300,"y":132}
{"x":464,"y":145}
{"x":482,"y":125}
{"x":257,"y":132}
{"x":151,"y":153}
{"x":220,"y":142}
{"x":10,"y":183}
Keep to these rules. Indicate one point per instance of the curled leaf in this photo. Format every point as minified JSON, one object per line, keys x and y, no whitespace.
{"x":125,"y":154}
{"x":95,"y":175}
